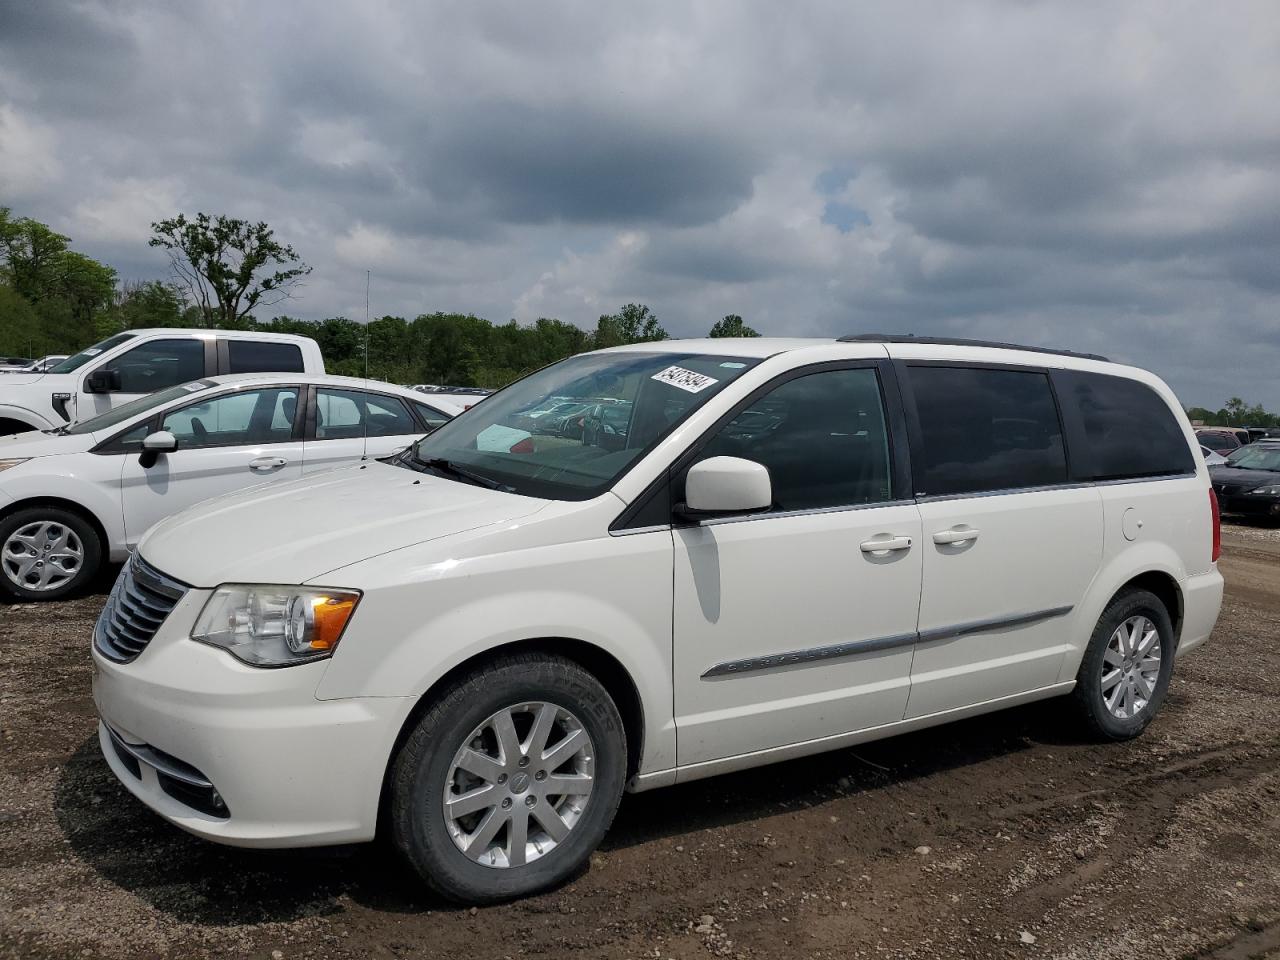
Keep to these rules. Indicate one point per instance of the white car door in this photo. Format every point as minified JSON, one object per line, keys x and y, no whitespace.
{"x":350,"y":425}
{"x":1010,"y":545}
{"x":798,"y":623}
{"x":226,"y":443}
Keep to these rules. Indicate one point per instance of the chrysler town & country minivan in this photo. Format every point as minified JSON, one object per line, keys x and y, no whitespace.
{"x":781,"y":547}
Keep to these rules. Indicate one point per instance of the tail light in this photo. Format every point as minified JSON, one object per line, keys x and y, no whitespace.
{"x":1217,"y":526}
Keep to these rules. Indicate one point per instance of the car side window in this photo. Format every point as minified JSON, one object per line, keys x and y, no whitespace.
{"x":823,"y":437}
{"x":233,"y":419}
{"x":158,"y":364}
{"x":432,"y":417}
{"x":263,"y":356}
{"x":984,"y":429}
{"x":345,"y":414}
{"x":1130,"y":429}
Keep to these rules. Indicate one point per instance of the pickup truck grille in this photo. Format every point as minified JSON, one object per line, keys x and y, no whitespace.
{"x":139,"y":602}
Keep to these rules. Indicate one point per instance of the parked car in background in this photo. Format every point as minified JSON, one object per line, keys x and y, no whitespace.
{"x":14,"y":364}
{"x":785,"y":547}
{"x":77,"y":496}
{"x":1211,"y":458}
{"x":138,"y":362}
{"x":467,"y":397}
{"x":1220,"y":441}
{"x":44,"y":364}
{"x":1249,"y":482}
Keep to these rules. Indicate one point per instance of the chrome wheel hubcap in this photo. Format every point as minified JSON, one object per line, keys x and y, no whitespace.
{"x":1131,"y":667}
{"x":41,"y":556}
{"x":519,"y":784}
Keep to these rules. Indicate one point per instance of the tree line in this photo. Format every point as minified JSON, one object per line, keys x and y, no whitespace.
{"x":226,"y":271}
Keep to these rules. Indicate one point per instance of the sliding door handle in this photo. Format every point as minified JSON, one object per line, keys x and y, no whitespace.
{"x":267,"y":463}
{"x":956,"y":535}
{"x":885,"y":545}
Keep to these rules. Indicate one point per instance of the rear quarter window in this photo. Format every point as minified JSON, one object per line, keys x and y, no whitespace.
{"x":1128,"y":428}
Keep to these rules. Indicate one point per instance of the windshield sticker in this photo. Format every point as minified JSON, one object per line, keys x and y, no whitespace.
{"x":92,"y":352}
{"x":685,"y":379}
{"x":731,"y":365}
{"x":193,"y":387}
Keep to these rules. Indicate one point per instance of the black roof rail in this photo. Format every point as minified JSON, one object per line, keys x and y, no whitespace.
{"x":961,"y":342}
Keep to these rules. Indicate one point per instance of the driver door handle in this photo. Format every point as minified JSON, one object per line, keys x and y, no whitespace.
{"x":956,"y":535}
{"x":886,"y":545}
{"x":268,"y":463}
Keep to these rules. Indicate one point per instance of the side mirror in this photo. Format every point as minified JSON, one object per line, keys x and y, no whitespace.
{"x":727,"y":485}
{"x":154,"y":444}
{"x":102,"y":381}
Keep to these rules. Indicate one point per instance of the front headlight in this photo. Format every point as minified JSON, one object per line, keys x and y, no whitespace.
{"x":1269,"y":491}
{"x":274,"y":626}
{"x":6,"y":464}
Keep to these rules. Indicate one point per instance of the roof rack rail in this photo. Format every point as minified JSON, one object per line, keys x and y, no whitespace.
{"x":961,"y":342}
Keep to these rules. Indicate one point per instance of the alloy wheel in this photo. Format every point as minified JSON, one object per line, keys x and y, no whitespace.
{"x":1131,"y":667}
{"x":519,"y":784}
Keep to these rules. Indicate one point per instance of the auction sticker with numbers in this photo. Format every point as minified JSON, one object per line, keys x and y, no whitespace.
{"x":685,"y":379}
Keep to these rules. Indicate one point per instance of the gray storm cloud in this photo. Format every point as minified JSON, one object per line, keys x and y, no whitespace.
{"x":1098,"y":176}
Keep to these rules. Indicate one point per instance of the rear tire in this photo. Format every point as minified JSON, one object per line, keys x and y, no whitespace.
{"x":1125,"y":673}
{"x":530,"y":754}
{"x":47,"y":553}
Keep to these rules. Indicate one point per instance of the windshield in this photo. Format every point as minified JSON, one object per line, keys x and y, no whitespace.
{"x":131,"y":409}
{"x":570,"y":430}
{"x":1256,"y":458}
{"x":76,"y":361}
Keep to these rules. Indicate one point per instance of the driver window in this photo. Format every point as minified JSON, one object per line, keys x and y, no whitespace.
{"x":158,"y":364}
{"x":823,"y":437}
{"x":247,"y":417}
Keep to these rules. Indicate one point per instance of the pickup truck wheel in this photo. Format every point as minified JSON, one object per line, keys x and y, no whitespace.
{"x":1127,"y":667}
{"x":509,"y":780}
{"x":46,"y":553}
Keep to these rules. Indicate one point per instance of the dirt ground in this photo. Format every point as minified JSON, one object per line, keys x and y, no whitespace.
{"x":1002,"y":836}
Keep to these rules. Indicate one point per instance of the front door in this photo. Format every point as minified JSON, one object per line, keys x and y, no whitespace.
{"x":225,"y":444}
{"x":798,"y":623}
{"x":1010,"y":545}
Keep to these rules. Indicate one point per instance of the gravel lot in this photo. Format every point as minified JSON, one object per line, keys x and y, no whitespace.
{"x":1002,"y":836}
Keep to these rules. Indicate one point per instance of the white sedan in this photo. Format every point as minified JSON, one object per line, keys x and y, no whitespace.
{"x":75,"y":497}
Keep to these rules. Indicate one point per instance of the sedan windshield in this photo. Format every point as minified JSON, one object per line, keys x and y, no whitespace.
{"x":76,"y":361}
{"x":131,"y":409}
{"x":570,"y":430}
{"x":1256,"y":458}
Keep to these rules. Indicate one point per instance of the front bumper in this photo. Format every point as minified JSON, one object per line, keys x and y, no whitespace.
{"x":1250,"y":506}
{"x":282,"y":768}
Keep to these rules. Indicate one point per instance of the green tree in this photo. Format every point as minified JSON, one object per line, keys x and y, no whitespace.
{"x":731,"y":325}
{"x":229,"y":267}
{"x":151,"y":303}
{"x":30,"y":255}
{"x":634,"y":323}
{"x":1235,"y":409}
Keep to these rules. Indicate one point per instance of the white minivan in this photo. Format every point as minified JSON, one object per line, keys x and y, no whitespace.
{"x":747,"y":550}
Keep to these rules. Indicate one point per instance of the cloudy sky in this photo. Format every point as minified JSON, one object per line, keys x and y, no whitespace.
{"x":1100,"y":176}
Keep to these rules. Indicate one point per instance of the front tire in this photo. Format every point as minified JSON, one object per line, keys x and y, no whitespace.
{"x":509,"y":780}
{"x":47,"y":553}
{"x":1125,"y":674}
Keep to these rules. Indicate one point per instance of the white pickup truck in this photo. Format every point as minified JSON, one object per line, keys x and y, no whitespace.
{"x":137,"y":362}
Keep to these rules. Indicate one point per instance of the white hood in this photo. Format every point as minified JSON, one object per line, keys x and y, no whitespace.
{"x":34,"y":443}
{"x":296,"y":531}
{"x":19,"y":379}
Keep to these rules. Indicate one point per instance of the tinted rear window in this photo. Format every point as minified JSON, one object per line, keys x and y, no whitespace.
{"x":983,"y":429}
{"x":263,"y":356}
{"x":1131,"y":431}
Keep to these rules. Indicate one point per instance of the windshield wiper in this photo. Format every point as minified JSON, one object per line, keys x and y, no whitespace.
{"x":451,"y":469}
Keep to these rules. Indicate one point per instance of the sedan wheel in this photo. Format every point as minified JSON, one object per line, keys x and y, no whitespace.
{"x":42,"y":556}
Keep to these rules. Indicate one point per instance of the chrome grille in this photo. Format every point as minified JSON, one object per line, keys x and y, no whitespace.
{"x":139,"y":602}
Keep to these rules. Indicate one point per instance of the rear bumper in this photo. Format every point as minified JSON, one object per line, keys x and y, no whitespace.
{"x":1201,"y":602}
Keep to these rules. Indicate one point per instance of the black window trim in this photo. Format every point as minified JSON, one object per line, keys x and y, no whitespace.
{"x":223,"y":360}
{"x":415,"y":406}
{"x":110,"y":445}
{"x":672,"y":477}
